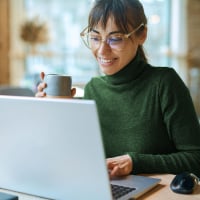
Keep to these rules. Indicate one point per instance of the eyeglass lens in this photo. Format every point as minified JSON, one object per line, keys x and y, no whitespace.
{"x":115,"y":42}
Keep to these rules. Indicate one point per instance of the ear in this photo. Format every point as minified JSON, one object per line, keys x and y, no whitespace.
{"x":143,"y":36}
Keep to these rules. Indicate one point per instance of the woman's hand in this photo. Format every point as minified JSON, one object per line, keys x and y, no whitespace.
{"x":41,"y":86}
{"x":119,"y":166}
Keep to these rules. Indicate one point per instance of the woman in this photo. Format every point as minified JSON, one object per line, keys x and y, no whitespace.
{"x":147,"y":117}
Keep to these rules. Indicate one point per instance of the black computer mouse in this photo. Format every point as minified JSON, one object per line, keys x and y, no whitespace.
{"x":184,"y":183}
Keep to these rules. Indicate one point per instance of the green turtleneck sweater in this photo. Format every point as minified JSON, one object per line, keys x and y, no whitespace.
{"x":147,"y":112}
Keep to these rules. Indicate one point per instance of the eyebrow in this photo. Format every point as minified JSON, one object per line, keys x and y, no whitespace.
{"x":113,"y":32}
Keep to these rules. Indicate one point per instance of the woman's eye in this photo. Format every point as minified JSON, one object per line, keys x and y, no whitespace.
{"x":95,"y":38}
{"x":115,"y":39}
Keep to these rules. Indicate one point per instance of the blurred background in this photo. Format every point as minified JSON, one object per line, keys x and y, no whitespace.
{"x":41,"y":35}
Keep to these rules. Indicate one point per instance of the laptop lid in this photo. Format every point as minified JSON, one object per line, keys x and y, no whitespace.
{"x":53,"y":148}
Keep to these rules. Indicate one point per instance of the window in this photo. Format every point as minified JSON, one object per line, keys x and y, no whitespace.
{"x":66,"y":53}
{"x":158,"y":40}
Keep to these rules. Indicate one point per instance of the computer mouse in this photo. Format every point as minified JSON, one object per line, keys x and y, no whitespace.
{"x":184,"y":183}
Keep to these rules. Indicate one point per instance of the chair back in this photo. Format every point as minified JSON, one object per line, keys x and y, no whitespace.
{"x":16,"y":91}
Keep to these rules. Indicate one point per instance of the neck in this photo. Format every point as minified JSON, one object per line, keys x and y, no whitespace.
{"x":128,"y":73}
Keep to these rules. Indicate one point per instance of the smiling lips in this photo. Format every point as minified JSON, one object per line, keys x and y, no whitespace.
{"x":104,"y":61}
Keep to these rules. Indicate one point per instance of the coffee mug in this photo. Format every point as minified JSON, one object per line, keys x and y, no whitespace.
{"x":58,"y":85}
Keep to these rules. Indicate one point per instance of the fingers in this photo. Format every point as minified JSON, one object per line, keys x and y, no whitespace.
{"x":41,"y":86}
{"x":42,"y":75}
{"x":73,"y":92}
{"x":40,"y":89}
{"x":119,"y":170}
{"x":40,"y":94}
{"x":119,"y":166}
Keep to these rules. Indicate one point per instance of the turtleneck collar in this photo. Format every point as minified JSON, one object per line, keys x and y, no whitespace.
{"x":128,"y":73}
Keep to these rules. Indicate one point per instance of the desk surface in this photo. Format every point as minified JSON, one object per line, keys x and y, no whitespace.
{"x":162,"y":191}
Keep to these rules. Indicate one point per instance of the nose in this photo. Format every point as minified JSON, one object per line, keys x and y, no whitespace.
{"x":104,"y":47}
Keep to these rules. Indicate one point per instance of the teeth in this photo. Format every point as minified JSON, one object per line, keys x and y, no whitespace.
{"x":105,"y":61}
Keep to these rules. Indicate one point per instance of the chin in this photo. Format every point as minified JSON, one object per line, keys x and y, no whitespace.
{"x":106,"y":72}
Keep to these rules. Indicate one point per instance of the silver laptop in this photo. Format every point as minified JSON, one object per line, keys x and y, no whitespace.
{"x":53,"y":148}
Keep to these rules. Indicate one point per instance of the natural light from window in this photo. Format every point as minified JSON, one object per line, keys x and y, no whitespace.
{"x":65,"y":52}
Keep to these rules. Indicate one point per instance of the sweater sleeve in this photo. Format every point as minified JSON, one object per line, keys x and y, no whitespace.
{"x":183,"y":128}
{"x":87,"y":93}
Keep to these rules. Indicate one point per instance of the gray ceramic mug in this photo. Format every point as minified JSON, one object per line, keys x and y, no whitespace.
{"x":58,"y":85}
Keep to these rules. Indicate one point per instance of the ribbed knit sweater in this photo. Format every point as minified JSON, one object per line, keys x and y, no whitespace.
{"x":147,"y":112}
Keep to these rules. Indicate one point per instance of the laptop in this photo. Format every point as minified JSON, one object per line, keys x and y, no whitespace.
{"x":53,"y":148}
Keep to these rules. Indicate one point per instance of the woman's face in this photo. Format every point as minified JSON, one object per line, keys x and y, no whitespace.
{"x":112,"y":60}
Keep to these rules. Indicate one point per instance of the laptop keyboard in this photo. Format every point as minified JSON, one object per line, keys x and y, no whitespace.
{"x":119,"y":191}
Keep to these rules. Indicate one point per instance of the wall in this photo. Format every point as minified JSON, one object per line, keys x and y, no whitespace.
{"x":16,"y":46}
{"x":193,"y":58}
{"x":4,"y":42}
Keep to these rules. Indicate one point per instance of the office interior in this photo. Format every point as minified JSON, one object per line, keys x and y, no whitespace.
{"x":173,"y":40}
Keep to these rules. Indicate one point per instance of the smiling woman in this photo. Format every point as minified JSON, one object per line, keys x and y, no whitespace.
{"x":146,"y":127}
{"x":67,"y":55}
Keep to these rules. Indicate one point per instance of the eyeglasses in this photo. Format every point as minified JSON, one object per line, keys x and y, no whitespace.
{"x":115,"y":40}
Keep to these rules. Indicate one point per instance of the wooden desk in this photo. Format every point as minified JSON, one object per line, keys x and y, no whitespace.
{"x":160,"y":192}
{"x":163,"y":191}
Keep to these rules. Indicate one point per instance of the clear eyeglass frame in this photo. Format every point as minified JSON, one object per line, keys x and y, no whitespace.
{"x":85,"y":35}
